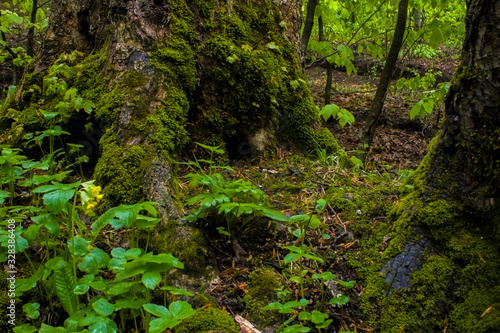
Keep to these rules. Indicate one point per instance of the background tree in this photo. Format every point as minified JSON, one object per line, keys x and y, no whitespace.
{"x":368,"y":133}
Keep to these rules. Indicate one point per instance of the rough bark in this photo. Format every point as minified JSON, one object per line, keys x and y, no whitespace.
{"x":370,"y":127}
{"x":466,"y":163}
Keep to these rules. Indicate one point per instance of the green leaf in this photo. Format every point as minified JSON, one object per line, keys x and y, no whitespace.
{"x":328,"y":110}
{"x":436,"y":38}
{"x":325,"y":324}
{"x":345,"y":117}
{"x":151,"y":279}
{"x":64,"y":285}
{"x":159,"y":325}
{"x":339,"y":300}
{"x":94,"y":260}
{"x":121,"y":288}
{"x":314,"y":223}
{"x":50,"y":329}
{"x":324,"y":276}
{"x":318,"y":317}
{"x":157,"y":310}
{"x":103,"y":307}
{"x":320,"y":205}
{"x":78,"y":246}
{"x":81,"y":289}
{"x":272,"y":46}
{"x":348,"y":285}
{"x":304,"y":315}
{"x":24,"y":328}
{"x":31,"y":310}
{"x":181,"y":309}
{"x":129,"y":303}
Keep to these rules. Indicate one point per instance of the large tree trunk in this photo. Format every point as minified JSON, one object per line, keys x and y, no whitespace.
{"x":163,"y":75}
{"x":447,"y":230}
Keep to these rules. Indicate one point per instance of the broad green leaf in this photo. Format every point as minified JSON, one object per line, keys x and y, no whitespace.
{"x":324,"y":276}
{"x":78,"y":246}
{"x":94,"y":260}
{"x":348,"y":284}
{"x":339,"y":300}
{"x":103,"y":307}
{"x":181,"y":309}
{"x":129,"y":303}
{"x":304,"y":315}
{"x":151,"y":279}
{"x":157,"y":310}
{"x":318,"y":317}
{"x":436,"y":38}
{"x":81,"y":289}
{"x":159,"y":325}
{"x":328,"y":110}
{"x":31,"y":310}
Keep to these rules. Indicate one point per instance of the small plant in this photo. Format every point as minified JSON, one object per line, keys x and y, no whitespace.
{"x":226,"y":202}
{"x":342,"y":115}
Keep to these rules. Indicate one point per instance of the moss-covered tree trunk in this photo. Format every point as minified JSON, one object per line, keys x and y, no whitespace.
{"x":444,"y":270}
{"x":162,"y":75}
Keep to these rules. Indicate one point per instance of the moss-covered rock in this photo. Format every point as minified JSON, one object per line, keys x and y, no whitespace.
{"x":208,"y":320}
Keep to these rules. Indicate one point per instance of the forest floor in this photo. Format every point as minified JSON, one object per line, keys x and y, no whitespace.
{"x":359,"y":202}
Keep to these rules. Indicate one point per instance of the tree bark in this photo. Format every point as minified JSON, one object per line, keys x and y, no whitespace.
{"x":465,"y":165}
{"x":329,"y":67}
{"x":370,"y":127}
{"x":308,"y":23}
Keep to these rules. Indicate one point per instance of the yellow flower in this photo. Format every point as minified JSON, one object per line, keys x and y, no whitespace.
{"x":90,"y":206}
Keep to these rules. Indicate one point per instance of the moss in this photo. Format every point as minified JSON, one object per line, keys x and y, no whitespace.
{"x":208,"y":320}
{"x":122,"y":169}
{"x":262,"y":287}
{"x":187,"y":244}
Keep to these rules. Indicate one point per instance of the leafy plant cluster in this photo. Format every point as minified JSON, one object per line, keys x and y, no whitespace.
{"x":236,"y":202}
{"x":432,"y":95}
{"x":79,"y":267}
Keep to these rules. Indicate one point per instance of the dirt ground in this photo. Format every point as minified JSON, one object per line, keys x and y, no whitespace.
{"x":399,"y":141}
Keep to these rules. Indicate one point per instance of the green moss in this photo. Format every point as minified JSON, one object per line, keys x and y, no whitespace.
{"x":208,"y":320}
{"x":262,"y":287}
{"x":122,"y":169}
{"x":187,"y":244}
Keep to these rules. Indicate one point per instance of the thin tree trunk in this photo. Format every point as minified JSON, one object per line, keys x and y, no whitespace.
{"x":329,"y":67}
{"x":308,"y":24}
{"x":31,"y":32}
{"x":385,"y":79}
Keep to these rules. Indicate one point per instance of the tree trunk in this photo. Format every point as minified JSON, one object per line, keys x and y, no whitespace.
{"x":465,"y":165}
{"x":329,"y":67}
{"x":308,"y":23}
{"x":164,"y":75}
{"x":370,"y":127}
{"x":448,"y":226}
